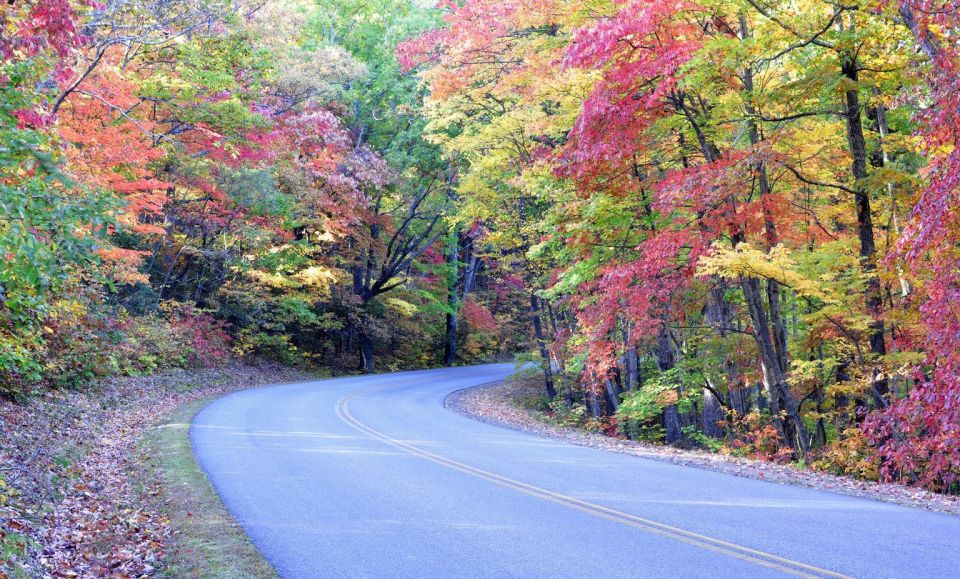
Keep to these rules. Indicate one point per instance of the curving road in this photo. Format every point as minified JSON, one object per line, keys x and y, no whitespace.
{"x":372,"y":477}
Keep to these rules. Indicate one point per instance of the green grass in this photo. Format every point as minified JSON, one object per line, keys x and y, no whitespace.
{"x":207,"y":541}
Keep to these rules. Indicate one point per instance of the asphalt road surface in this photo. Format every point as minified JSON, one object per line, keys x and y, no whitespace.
{"x":372,"y":477}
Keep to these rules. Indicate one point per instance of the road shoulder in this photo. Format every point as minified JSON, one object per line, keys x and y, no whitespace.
{"x":91,"y":488}
{"x":205,"y":540}
{"x":502,"y":404}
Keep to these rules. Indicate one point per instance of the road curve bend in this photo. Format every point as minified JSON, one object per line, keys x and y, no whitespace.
{"x":371,"y":477}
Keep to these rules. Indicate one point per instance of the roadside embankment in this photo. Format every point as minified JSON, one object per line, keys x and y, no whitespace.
{"x":102,"y":482}
{"x":508,"y":405}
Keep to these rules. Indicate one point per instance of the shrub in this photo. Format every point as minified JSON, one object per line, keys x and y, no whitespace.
{"x":207,"y":337}
{"x":564,"y":414}
{"x":76,"y":343}
{"x":639,"y":413}
{"x":264,"y":346}
{"x":755,"y":437}
{"x":918,"y":438}
{"x":84,"y":342}
{"x":849,"y":455}
{"x":148,"y":344}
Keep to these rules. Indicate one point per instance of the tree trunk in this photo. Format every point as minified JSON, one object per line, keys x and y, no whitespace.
{"x":778,"y":327}
{"x":450,"y":341}
{"x":665,"y":361}
{"x":633,"y":373}
{"x":884,"y":130}
{"x":453,"y":303}
{"x":671,"y":425}
{"x":593,"y":403}
{"x":858,"y":153}
{"x":629,"y":361}
{"x":928,"y":42}
{"x":366,"y":354}
{"x":781,"y":399}
{"x":821,"y":426}
{"x":712,"y":415}
{"x":613,"y":396}
{"x":542,"y":346}
{"x":769,"y":330}
{"x":740,"y":400}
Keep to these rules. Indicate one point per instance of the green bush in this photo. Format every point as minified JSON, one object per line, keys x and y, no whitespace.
{"x":564,"y":414}
{"x":272,"y":347}
{"x":639,"y":413}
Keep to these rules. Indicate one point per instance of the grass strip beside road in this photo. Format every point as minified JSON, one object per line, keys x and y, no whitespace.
{"x":206,"y":540}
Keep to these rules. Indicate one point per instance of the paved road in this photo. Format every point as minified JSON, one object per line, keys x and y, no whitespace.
{"x":372,"y":477}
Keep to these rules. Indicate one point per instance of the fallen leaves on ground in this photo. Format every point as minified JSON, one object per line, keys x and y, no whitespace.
{"x":69,"y":507}
{"x":502,"y":405}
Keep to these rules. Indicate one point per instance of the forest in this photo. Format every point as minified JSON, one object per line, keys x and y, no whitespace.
{"x":721,"y":224}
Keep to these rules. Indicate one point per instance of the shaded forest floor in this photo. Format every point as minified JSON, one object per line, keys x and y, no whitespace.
{"x":509,"y":405}
{"x":76,"y":497}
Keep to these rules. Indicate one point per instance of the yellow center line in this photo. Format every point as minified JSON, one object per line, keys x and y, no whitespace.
{"x":741,"y":552}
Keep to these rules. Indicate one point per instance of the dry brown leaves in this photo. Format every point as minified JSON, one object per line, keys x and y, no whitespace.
{"x":68,"y":458}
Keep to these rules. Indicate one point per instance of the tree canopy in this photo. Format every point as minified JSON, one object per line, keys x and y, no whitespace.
{"x":722,"y":223}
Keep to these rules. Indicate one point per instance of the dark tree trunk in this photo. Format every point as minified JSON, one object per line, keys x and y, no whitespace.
{"x":366,"y":354}
{"x":740,"y":400}
{"x":858,"y":152}
{"x":632,"y":365}
{"x":665,"y":361}
{"x":665,"y":356}
{"x":612,"y":395}
{"x":778,"y":327}
{"x":458,"y":288}
{"x":671,"y":425}
{"x":821,"y":427}
{"x":450,"y":341}
{"x":712,"y":415}
{"x":593,"y":403}
{"x":453,"y":303}
{"x":780,"y":398}
{"x":629,"y":361}
{"x":542,"y":346}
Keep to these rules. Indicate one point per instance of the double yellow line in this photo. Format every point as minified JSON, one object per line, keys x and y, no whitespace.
{"x":753,"y":556}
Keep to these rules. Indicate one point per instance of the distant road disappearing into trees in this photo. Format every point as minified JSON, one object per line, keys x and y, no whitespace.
{"x":371,"y":477}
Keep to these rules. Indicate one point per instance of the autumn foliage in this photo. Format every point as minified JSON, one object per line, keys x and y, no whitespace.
{"x":748,"y":206}
{"x":724,"y":224}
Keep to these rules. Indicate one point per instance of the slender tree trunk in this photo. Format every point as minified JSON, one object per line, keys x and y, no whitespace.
{"x":453,"y":303}
{"x":632,"y":366}
{"x":542,"y":346}
{"x":366,"y":354}
{"x":769,"y":329}
{"x":450,"y":340}
{"x":884,"y":130}
{"x":613,"y":396}
{"x":780,"y":397}
{"x":821,"y":427}
{"x":778,"y":326}
{"x":665,"y":361}
{"x":473,"y":266}
{"x":858,"y":153}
